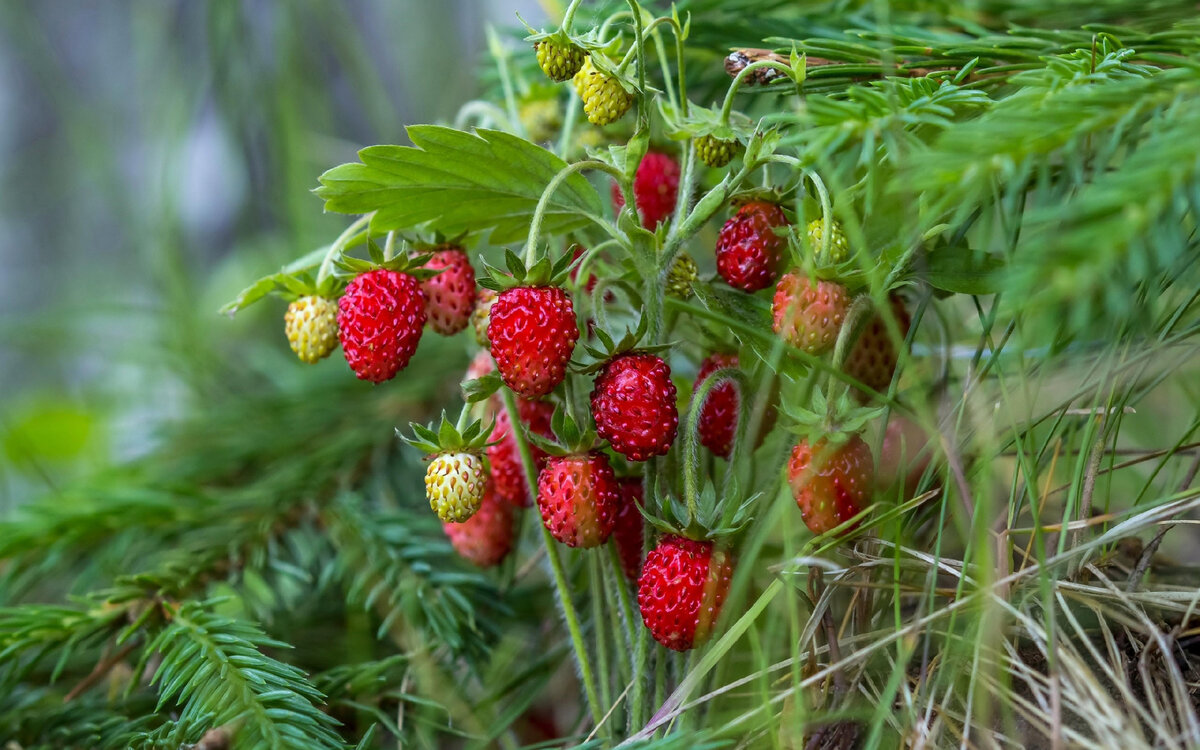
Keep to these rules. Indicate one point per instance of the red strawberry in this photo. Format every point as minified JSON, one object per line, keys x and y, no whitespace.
{"x":629,"y":527}
{"x":449,"y":296}
{"x":486,"y":537}
{"x":873,"y":358}
{"x":380,"y":318}
{"x":831,"y":483}
{"x":749,"y":252}
{"x":533,"y":333}
{"x":508,"y":473}
{"x":578,"y":499}
{"x":903,"y":456}
{"x":633,"y":403}
{"x":809,"y":316}
{"x":719,"y":414}
{"x":655,"y":188}
{"x":682,"y":587}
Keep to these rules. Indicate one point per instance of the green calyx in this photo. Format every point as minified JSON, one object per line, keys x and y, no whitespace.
{"x":542,"y":273}
{"x":709,"y":520}
{"x":402,"y":262}
{"x":706,"y":125}
{"x":572,"y":439}
{"x":834,"y":421}
{"x":450,"y":437}
{"x":292,"y":287}
{"x":609,"y":349}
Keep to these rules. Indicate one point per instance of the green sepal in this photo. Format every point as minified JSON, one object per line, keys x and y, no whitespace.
{"x":701,"y":121}
{"x":403,"y":262}
{"x":542,"y":273}
{"x":589,"y":41}
{"x":833,"y":421}
{"x":450,"y":437}
{"x":572,"y":439}
{"x":610,"y":349}
{"x":710,"y":522}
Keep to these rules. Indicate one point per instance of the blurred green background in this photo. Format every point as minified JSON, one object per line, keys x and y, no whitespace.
{"x":155,"y":156}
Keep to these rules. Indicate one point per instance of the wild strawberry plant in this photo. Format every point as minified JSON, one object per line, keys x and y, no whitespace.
{"x":798,"y":377}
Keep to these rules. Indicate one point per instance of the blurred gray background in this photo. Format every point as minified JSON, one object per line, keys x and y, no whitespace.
{"x":156,"y":155}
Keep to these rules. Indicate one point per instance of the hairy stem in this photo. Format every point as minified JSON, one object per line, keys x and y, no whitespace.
{"x":556,"y":565}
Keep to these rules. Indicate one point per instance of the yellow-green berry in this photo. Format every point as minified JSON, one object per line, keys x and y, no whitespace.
{"x":716,"y":152}
{"x":482,"y":314}
{"x":682,"y":275}
{"x":605,"y":100}
{"x":311,"y":327}
{"x":455,"y":483}
{"x":838,"y":245}
{"x":558,"y":61}
{"x":541,"y":119}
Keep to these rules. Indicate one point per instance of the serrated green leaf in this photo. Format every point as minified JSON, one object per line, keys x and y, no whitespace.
{"x":455,"y":182}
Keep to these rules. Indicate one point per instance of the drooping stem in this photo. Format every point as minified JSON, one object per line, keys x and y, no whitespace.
{"x":640,"y":45}
{"x":339,"y":245}
{"x":727,"y":107}
{"x":539,"y":213}
{"x":569,"y":15}
{"x":598,"y":606}
{"x":556,"y":565}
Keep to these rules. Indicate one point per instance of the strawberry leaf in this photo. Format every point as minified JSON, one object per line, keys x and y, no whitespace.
{"x":454,"y":182}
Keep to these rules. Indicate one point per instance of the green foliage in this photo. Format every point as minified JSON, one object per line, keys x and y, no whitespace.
{"x":1026,"y":175}
{"x":215,"y":668}
{"x":454,"y":183}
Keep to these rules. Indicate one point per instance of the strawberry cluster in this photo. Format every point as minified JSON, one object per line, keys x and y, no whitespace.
{"x":599,"y":447}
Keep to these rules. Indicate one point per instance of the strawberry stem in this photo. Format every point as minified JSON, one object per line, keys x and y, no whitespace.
{"x":727,"y":107}
{"x":569,"y":15}
{"x":539,"y":213}
{"x":556,"y":565}
{"x":339,"y":245}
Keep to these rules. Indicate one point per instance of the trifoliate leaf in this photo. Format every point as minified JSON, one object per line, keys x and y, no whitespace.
{"x":453,"y":182}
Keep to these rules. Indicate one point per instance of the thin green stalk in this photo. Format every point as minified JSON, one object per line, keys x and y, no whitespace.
{"x":539,"y":213}
{"x":339,"y":245}
{"x":569,"y":15}
{"x":601,"y":638}
{"x":727,"y":106}
{"x":556,"y":565}
{"x":641,"y":664}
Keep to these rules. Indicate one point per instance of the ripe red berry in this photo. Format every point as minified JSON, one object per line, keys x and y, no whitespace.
{"x":449,"y":296}
{"x":831,"y":483}
{"x":680,"y":592}
{"x":809,"y":315}
{"x":380,"y":319}
{"x":719,"y":413}
{"x":749,"y":252}
{"x":628,"y":531}
{"x":872,"y":360}
{"x":486,"y":537}
{"x":508,"y":473}
{"x":655,"y":188}
{"x":633,"y":403}
{"x":578,"y":499}
{"x":532,"y":332}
